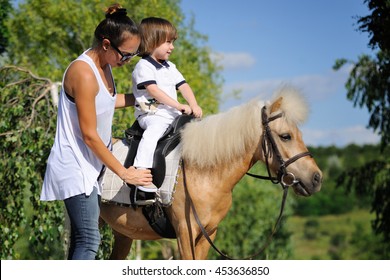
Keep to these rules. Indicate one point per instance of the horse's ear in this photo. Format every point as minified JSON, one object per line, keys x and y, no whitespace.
{"x":276,"y":105}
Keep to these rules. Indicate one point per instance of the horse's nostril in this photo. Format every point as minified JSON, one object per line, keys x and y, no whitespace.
{"x":316,"y":179}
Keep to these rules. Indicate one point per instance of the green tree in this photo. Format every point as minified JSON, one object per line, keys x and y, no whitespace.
{"x":27,"y":129}
{"x":44,"y":36}
{"x":369,"y":86}
{"x":47,"y":34}
{"x":5,"y":8}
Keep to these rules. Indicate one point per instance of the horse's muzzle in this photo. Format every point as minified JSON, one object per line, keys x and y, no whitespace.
{"x":316,"y":182}
{"x":309,"y":188}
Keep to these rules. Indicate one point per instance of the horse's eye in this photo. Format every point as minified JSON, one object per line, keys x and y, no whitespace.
{"x":285,"y":137}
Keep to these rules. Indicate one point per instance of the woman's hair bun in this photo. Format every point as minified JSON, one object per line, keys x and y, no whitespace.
{"x":115,"y":10}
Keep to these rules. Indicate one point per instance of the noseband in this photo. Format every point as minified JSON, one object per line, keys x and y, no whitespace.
{"x":269,"y":148}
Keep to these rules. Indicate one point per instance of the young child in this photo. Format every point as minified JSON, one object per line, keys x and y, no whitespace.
{"x":155,"y":84}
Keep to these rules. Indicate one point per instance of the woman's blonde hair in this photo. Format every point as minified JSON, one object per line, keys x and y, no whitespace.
{"x":154,"y":32}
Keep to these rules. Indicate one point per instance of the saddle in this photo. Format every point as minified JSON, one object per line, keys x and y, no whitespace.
{"x":155,"y":214}
{"x":167,"y":143}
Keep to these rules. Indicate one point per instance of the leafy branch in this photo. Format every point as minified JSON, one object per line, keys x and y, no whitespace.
{"x":31,"y":81}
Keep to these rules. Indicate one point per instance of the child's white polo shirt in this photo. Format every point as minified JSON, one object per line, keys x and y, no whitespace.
{"x":165,"y":75}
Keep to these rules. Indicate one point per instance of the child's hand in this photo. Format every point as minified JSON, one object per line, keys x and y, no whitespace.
{"x":197,"y":111}
{"x":185,"y":109}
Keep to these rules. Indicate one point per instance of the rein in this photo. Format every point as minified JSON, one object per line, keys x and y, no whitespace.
{"x":285,"y":178}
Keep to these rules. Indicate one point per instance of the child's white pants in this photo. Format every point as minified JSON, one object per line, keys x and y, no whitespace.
{"x":154,"y":126}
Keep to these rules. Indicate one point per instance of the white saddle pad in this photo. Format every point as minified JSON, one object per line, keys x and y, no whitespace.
{"x":113,"y":188}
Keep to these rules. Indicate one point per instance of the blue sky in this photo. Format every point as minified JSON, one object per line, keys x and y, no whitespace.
{"x":265,"y":44}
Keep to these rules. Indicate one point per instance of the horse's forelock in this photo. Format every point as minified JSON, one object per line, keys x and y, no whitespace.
{"x":293,"y":105}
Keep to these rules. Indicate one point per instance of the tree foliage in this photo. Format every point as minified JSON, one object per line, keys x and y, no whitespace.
{"x":336,"y":198}
{"x":27,"y":129}
{"x":47,"y":34}
{"x":5,"y":7}
{"x":369,"y":85}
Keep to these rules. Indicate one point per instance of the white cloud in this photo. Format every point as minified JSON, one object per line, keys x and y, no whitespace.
{"x":340,"y":137}
{"x":319,"y":87}
{"x":239,"y":93}
{"x":324,"y":92}
{"x":234,"y":60}
{"x":315,"y":87}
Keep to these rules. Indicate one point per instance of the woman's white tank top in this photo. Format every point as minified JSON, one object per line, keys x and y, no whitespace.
{"x":72,"y":168}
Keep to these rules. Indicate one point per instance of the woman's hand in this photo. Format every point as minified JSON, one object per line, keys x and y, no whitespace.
{"x":139,"y":177}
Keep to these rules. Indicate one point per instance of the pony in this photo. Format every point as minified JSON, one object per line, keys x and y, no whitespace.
{"x":217,"y":152}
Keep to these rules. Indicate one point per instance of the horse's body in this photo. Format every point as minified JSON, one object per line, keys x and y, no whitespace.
{"x":217,"y":152}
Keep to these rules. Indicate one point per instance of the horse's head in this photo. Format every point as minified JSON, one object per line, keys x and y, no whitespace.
{"x":283,"y":147}
{"x":233,"y":137}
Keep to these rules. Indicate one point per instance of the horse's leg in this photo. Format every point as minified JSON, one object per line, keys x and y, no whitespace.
{"x":202,"y":247}
{"x":185,"y":243}
{"x":193,"y":250}
{"x":122,"y":246}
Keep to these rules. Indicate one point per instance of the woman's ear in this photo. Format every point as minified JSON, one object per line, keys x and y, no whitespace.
{"x":105,"y":44}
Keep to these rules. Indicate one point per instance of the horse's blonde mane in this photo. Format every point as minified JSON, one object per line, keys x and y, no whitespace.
{"x":221,"y":138}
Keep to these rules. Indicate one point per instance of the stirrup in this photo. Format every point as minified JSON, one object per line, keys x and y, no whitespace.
{"x":141,"y":198}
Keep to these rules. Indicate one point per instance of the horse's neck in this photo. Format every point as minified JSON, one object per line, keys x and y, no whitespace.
{"x":247,"y":162}
{"x":233,"y":172}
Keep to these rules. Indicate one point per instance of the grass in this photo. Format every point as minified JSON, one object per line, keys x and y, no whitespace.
{"x":328,"y":237}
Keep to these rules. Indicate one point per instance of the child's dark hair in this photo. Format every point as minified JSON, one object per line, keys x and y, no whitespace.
{"x":154,"y":32}
{"x":116,"y":27}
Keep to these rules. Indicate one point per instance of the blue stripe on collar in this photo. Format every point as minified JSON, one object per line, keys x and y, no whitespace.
{"x":155,"y":63}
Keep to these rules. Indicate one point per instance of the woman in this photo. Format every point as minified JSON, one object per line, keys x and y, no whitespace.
{"x":82,"y":146}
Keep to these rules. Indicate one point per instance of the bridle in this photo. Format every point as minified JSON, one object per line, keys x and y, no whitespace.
{"x":269,"y":148}
{"x":284,"y":177}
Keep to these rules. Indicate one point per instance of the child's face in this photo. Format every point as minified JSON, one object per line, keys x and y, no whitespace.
{"x":163,"y":51}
